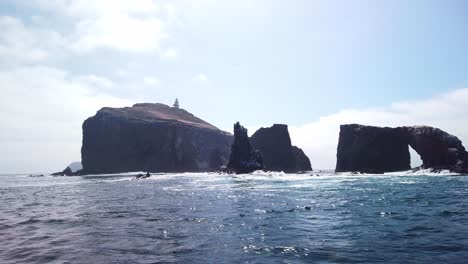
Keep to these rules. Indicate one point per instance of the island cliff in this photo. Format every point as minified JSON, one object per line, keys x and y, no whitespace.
{"x":278,"y":154}
{"x":151,"y":137}
{"x":371,"y":149}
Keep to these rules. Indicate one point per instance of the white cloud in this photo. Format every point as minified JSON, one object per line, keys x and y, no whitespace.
{"x":150,"y":81}
{"x":21,"y":44}
{"x":97,"y":8}
{"x":121,"y":32}
{"x":96,"y":81}
{"x":201,"y":77}
{"x":170,"y":53}
{"x":139,"y":26}
{"x":42,"y":110}
{"x":319,"y":139}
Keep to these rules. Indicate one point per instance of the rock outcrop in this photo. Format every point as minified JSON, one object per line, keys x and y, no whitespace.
{"x":243,"y":158}
{"x":72,"y":169}
{"x":278,"y":154}
{"x":151,"y":137}
{"x":371,"y":149}
{"x":66,"y":172}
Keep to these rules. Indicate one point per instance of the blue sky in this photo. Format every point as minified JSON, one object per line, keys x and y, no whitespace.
{"x":255,"y":61}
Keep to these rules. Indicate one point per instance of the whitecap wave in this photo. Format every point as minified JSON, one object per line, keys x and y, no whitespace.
{"x":422,"y":172}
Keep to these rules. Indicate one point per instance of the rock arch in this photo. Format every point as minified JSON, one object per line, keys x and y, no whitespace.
{"x":383,"y":149}
{"x":437,"y":148}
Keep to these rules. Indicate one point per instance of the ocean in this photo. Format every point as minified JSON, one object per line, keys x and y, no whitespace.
{"x":256,"y":218}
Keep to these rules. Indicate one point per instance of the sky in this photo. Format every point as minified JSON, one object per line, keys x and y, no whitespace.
{"x":310,"y":64}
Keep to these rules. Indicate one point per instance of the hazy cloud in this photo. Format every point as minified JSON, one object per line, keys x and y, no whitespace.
{"x":150,"y":81}
{"x":170,"y":53}
{"x":139,"y":26}
{"x":42,"y":110}
{"x":201,"y":77}
{"x":96,"y":81}
{"x":22,"y":44}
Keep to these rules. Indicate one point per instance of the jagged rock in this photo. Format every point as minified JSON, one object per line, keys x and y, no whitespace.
{"x":73,"y":169}
{"x":151,"y":137}
{"x":243,"y":158}
{"x":371,"y":149}
{"x":36,"y":175}
{"x":142,"y":176}
{"x":278,"y":154}
{"x":75,"y":166}
{"x":66,"y":172}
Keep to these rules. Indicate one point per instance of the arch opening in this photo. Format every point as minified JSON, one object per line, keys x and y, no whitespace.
{"x":415,"y":158}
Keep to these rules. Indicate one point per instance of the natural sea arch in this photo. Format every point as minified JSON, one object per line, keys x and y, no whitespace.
{"x":385,"y":149}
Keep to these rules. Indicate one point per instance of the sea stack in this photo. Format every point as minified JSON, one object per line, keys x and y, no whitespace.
{"x":243,"y":158}
{"x":277,"y":151}
{"x":153,"y":138}
{"x":371,"y":149}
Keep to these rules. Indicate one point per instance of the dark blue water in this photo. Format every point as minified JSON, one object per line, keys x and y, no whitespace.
{"x":202,"y":218}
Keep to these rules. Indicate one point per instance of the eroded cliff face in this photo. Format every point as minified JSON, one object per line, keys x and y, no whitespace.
{"x":371,"y":150}
{"x":382,"y":149}
{"x":302,"y":161}
{"x":277,"y":151}
{"x":151,"y":137}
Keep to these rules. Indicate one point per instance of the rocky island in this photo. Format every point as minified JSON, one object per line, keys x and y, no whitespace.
{"x":278,"y":153}
{"x":370,"y":149}
{"x":268,"y":149}
{"x":151,"y":137}
{"x":159,"y":138}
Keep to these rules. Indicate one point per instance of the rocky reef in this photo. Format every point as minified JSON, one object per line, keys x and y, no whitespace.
{"x":371,"y":149}
{"x":243,"y":158}
{"x":277,"y":151}
{"x":151,"y":137}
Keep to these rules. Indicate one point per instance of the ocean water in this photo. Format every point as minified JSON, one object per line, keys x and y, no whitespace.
{"x":257,"y":218}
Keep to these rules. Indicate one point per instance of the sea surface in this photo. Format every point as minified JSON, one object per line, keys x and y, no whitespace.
{"x":256,"y":218}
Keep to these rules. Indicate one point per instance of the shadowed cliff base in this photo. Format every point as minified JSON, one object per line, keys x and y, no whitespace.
{"x":370,"y":149}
